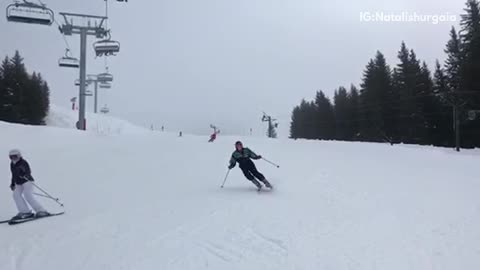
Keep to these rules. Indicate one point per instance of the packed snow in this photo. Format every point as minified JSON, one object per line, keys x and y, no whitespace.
{"x":152,"y":200}
{"x":98,"y":123}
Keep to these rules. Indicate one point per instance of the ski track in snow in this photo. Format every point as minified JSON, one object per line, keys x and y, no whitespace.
{"x":152,"y":201}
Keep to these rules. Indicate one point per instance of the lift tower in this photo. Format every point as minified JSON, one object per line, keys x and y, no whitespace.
{"x":83,"y":25}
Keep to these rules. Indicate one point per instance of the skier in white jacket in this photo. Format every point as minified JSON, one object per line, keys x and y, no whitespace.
{"x":22,"y":188}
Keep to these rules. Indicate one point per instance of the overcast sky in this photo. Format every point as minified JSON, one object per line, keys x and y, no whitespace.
{"x":188,"y":63}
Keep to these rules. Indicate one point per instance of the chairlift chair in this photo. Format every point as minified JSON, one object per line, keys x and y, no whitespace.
{"x":105,"y":77}
{"x":68,"y":61}
{"x":88,"y":93}
{"x":104,"y":85}
{"x":105,"y":109}
{"x":27,"y":12}
{"x":106,"y":47}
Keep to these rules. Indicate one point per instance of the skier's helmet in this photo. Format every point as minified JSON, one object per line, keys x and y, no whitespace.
{"x":15,"y":154}
{"x":238,"y":145}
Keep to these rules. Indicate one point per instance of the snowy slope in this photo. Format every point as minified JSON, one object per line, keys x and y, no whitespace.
{"x":152,"y":201}
{"x":98,"y":123}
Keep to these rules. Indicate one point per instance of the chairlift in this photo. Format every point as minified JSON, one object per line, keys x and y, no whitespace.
{"x":105,"y":109}
{"x":105,"y":77}
{"x":68,"y":61}
{"x":28,"y":12}
{"x":106,"y":47}
{"x":104,"y":85}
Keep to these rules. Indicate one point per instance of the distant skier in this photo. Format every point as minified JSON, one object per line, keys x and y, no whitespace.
{"x":22,"y":188}
{"x":213,"y":137}
{"x":244,"y":157}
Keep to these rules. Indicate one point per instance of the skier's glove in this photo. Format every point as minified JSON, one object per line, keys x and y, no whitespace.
{"x":257,"y":157}
{"x":12,"y":187}
{"x":230,"y":167}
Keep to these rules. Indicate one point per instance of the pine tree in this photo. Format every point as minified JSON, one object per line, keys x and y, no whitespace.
{"x":303,"y":123}
{"x":353,"y":114}
{"x":296,"y":124}
{"x":440,"y":84}
{"x":325,"y":118}
{"x":33,"y":97}
{"x":376,"y":101}
{"x":7,"y":94}
{"x":400,"y":78}
{"x":453,"y":63}
{"x":23,"y":98}
{"x":368,"y":104}
{"x":311,"y":120}
{"x":408,"y":86}
{"x":341,"y":110}
{"x":440,"y":89}
{"x":433,"y":112}
{"x":470,"y":40}
{"x":470,"y":69}
{"x":5,"y":102}
{"x":19,"y":83}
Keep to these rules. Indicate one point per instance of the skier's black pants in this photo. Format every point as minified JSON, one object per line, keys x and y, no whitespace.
{"x":250,"y":171}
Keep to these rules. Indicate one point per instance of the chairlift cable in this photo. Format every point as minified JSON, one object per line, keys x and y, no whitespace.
{"x":41,"y":3}
{"x":64,"y":37}
{"x":106,"y":27}
{"x":106,"y":14}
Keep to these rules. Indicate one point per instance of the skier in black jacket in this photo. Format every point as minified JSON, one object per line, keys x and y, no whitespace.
{"x":244,"y":157}
{"x":22,"y":187}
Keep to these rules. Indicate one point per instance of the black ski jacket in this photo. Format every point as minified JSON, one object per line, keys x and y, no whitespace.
{"x":20,"y":172}
{"x":243,"y":158}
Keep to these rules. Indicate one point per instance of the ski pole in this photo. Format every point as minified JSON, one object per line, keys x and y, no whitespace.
{"x":40,"y":195}
{"x":271,"y":162}
{"x":57,"y":200}
{"x":47,"y":195}
{"x":225,"y":180}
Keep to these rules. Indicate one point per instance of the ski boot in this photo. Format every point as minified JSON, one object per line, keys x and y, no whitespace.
{"x":23,"y":216}
{"x":267,"y":184}
{"x":259,"y":186}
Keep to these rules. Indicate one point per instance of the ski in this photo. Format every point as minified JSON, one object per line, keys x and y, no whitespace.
{"x":16,"y":222}
{"x":4,"y":221}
